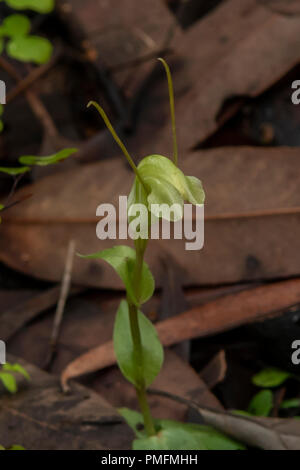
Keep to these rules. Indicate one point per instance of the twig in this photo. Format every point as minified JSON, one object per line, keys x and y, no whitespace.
{"x":14,"y":319}
{"x":135,"y":103}
{"x":34,"y":101}
{"x":32,"y":77}
{"x":9,"y":205}
{"x":278,"y":398}
{"x":65,"y":288}
{"x":17,"y":179}
{"x":171,"y":396}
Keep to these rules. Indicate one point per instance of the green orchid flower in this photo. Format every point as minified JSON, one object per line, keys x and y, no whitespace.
{"x":166,"y":184}
{"x":158,"y":180}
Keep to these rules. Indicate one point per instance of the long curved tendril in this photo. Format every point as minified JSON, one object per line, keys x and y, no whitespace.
{"x":118,"y":140}
{"x":172,"y":109}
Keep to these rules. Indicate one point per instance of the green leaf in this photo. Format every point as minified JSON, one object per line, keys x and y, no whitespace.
{"x":169,"y":439}
{"x":122,"y":258}
{"x":16,"y":447}
{"x":2,"y":448}
{"x":9,"y":382}
{"x":15,"y":25}
{"x":1,"y":125}
{"x":16,"y":368}
{"x":14,"y":171}
{"x":261,"y":404}
{"x":40,"y":6}
{"x":1,"y":109}
{"x":209,"y":437}
{"x":139,"y":370}
{"x":166,"y":185}
{"x":44,"y":161}
{"x":270,"y":377}
{"x":134,"y":420}
{"x":30,"y":49}
{"x":291,"y":403}
{"x":173,"y":435}
{"x":1,"y":46}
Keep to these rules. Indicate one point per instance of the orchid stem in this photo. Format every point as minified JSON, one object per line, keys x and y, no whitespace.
{"x":140,"y":246}
{"x":118,"y":140}
{"x":172,"y":109}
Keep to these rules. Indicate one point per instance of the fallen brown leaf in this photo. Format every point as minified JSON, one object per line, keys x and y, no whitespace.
{"x":285,"y":7}
{"x":135,"y":30}
{"x":264,"y":433}
{"x":260,"y":48}
{"x":41,"y":417}
{"x":215,"y":371}
{"x":17,"y":316}
{"x":220,"y":315}
{"x":214,"y":70}
{"x":251,"y":230}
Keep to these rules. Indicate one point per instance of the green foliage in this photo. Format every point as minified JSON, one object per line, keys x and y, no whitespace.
{"x":16,"y":368}
{"x":39,"y":161}
{"x":30,"y":49}
{"x":122,"y":259}
{"x":44,"y":161}
{"x":16,"y":447}
{"x":8,"y":379}
{"x":291,"y":403}
{"x":40,"y":6}
{"x":15,"y":25}
{"x":31,"y":160}
{"x":271,"y":377}
{"x":172,"y":435}
{"x":13,"y":447}
{"x":139,"y":367}
{"x":14,"y":171}
{"x":261,"y":404}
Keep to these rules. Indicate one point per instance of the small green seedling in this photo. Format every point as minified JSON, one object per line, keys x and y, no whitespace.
{"x":271,"y":377}
{"x":27,"y":162}
{"x":13,"y":447}
{"x":40,"y":6}
{"x":262,"y":403}
{"x":139,"y":353}
{"x":7,"y":378}
{"x":15,"y":35}
{"x":178,"y":436}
